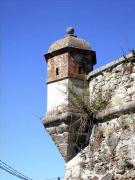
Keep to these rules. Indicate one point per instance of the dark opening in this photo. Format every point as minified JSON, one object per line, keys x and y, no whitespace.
{"x":80,"y":70}
{"x":57,"y":71}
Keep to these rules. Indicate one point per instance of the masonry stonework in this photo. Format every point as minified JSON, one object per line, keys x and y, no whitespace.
{"x":111,"y":150}
{"x":91,"y":113}
{"x":59,"y":62}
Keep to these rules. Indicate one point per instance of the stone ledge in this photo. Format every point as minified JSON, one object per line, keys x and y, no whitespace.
{"x":100,"y":116}
{"x":113,"y":112}
{"x":128,"y":57}
{"x":58,"y":118}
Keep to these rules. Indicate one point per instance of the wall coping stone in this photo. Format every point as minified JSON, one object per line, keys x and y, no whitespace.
{"x":114,"y":112}
{"x":128,"y":57}
{"x":102,"y":116}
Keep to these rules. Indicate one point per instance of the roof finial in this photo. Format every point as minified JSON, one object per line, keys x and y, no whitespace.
{"x":70,"y":31}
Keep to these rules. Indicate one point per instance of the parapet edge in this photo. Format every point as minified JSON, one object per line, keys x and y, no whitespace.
{"x":128,"y":57}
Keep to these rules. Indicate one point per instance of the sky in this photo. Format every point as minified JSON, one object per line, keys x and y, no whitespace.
{"x":27,"y":29}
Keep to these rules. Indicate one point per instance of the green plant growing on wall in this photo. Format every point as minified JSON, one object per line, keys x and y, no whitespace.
{"x":101,"y":101}
{"x":79,"y":103}
{"x":78,"y":99}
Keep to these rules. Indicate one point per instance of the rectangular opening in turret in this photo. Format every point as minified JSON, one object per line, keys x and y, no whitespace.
{"x":80,"y":70}
{"x":57,"y":71}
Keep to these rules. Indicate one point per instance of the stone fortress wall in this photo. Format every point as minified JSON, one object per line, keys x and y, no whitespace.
{"x":111,"y":150}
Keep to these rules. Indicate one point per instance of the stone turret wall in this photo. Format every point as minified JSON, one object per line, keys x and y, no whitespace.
{"x":111,"y":150}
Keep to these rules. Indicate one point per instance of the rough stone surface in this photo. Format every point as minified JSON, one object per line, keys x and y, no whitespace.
{"x":112,"y":158}
{"x":68,"y":65}
{"x":113,"y":87}
{"x":110,"y":154}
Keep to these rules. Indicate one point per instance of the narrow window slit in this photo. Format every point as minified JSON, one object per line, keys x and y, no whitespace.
{"x":80,"y":70}
{"x":57,"y":71}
